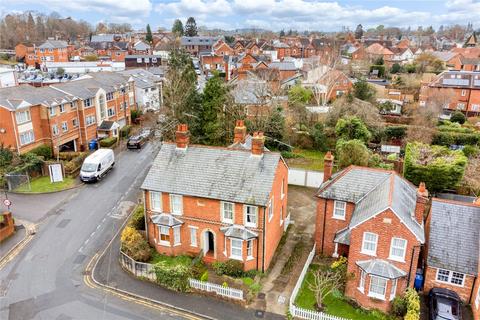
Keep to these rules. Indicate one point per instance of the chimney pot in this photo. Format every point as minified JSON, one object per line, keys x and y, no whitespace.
{"x":240,"y":132}
{"x":327,"y":166}
{"x":422,"y":199}
{"x":258,"y":143}
{"x":181,"y":136}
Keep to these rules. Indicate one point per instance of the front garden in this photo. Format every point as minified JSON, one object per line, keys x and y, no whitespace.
{"x":44,"y":185}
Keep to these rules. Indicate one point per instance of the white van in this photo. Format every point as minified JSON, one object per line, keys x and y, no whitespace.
{"x":97,"y":165}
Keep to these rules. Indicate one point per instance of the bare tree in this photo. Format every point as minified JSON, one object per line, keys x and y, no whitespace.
{"x":324,"y":283}
{"x":471,"y":177}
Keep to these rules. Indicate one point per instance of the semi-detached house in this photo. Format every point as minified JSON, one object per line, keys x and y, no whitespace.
{"x":65,"y":116}
{"x":375,"y":218}
{"x":222,"y":203}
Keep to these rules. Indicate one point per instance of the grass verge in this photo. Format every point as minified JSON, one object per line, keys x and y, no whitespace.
{"x":43,"y":184}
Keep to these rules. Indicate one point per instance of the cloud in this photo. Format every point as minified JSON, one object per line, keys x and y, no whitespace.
{"x":196,"y":8}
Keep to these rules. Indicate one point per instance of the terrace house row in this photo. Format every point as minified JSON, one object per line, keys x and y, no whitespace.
{"x":222,"y":203}
{"x":65,"y":116}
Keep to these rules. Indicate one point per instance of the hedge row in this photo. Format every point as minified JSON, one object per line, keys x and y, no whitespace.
{"x":108,"y":142}
{"x":447,"y":138}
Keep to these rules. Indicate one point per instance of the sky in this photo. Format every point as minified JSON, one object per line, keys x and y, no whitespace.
{"x":266,"y":14}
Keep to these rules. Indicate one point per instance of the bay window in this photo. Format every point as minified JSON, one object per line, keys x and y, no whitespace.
{"x":250,"y":249}
{"x":236,"y":251}
{"x":164,"y":235}
{"x":378,"y":287}
{"x":176,"y":236}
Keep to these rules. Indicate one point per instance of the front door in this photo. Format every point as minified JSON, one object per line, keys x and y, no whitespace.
{"x":211,"y":242}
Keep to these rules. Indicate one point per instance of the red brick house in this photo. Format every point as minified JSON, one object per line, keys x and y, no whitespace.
{"x":375,"y":218}
{"x":222,"y":203}
{"x":452,"y":251}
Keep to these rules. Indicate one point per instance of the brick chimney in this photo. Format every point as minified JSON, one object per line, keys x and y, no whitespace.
{"x":181,"y":136}
{"x":258,"y":142}
{"x":240,"y":132}
{"x":327,"y":166}
{"x":422,"y":200}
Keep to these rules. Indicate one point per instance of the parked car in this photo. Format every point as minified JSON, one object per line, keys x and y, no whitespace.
{"x":136,"y":141}
{"x":97,"y":165}
{"x":444,"y":305}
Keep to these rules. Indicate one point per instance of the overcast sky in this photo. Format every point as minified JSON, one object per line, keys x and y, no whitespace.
{"x":268,"y":14}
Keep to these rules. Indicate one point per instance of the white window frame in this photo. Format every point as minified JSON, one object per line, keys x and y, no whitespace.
{"x":176,"y":236}
{"x":477,"y":298}
{"x":55,"y":131}
{"x":450,"y":277}
{"x":52,"y":112}
{"x":153,"y":201}
{"x":193,"y":236}
{"x":176,"y":208}
{"x":62,"y":108}
{"x":236,"y":256}
{"x":250,"y":249}
{"x":165,"y":231}
{"x":88,"y":102}
{"x":376,"y":294}
{"x":90,"y":120}
{"x":464,"y":92}
{"x":282,"y":189}
{"x":361,"y":284}
{"x":246,"y":209}
{"x":393,"y":289}
{"x":222,"y":211}
{"x":75,"y":122}
{"x":337,"y":207}
{"x":23,"y":116}
{"x":270,"y":209}
{"x":27,"y":137}
{"x":64,"y":126}
{"x":110,"y":112}
{"x":368,"y":251}
{"x":281,"y":214}
{"x":393,"y":247}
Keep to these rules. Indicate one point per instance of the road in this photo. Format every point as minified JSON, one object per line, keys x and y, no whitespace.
{"x":45,"y":280}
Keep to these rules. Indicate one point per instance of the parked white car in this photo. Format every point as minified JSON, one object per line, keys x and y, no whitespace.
{"x":97,"y":165}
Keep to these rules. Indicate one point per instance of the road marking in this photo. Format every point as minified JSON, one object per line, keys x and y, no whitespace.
{"x":15,"y":251}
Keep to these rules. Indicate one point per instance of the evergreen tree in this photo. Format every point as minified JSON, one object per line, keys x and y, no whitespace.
{"x":275,"y":129}
{"x":359,"y":32}
{"x":149,"y":36}
{"x":30,"y":27}
{"x":177,"y":27}
{"x":191,"y":27}
{"x":282,"y":33}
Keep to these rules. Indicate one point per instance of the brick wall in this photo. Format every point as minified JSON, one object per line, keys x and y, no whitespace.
{"x":463,"y":291}
{"x":7,"y":227}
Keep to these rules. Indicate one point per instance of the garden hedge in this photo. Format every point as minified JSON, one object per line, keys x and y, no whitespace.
{"x":108,"y":142}
{"x":437,"y":166}
{"x":43,"y":151}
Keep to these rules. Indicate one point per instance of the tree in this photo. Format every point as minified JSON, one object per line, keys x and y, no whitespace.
{"x":471,"y":179}
{"x":275,"y":129}
{"x":351,"y":152}
{"x":60,"y":71}
{"x":458,"y":117}
{"x":149,"y":36}
{"x":349,"y":128}
{"x":359,"y":32}
{"x":349,"y":106}
{"x":229,"y":39}
{"x":282,"y":33}
{"x":177,"y":28}
{"x":31,"y":27}
{"x":363,"y":90}
{"x":396,"y":68}
{"x":427,"y":62}
{"x":101,"y":28}
{"x":299,"y":94}
{"x":135,"y":245}
{"x":191,"y":27}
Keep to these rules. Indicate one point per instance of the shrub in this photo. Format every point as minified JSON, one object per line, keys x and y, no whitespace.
{"x":340,"y":262}
{"x":413,"y":305}
{"x":290,"y":155}
{"x":395,"y":132}
{"x":351,"y":152}
{"x":350,"y":128}
{"x":108,"y":142}
{"x":380,"y":68}
{"x":135,"y":245}
{"x":204,"y":277}
{"x":470,"y":151}
{"x":399,"y":307}
{"x":437,"y":166}
{"x":43,"y":151}
{"x":458,"y":117}
{"x":232,"y":268}
{"x":225,"y":284}
{"x":137,"y":221}
{"x":396,"y":68}
{"x":392,"y":157}
{"x":75,"y":163}
{"x":174,"y":277}
{"x":125,"y":131}
{"x":219,"y":268}
{"x":134,"y":114}
{"x":6,"y":156}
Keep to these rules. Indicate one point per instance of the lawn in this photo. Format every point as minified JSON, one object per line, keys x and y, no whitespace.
{"x":43,"y":184}
{"x":307,"y":159}
{"x":334,"y":305}
{"x":170,"y":261}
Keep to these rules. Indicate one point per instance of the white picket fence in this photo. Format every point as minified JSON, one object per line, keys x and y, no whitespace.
{"x":220,"y":290}
{"x":305,"y":178}
{"x":301,"y":312}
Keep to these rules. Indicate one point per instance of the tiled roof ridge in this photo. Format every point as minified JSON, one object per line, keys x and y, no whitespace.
{"x":456,"y":202}
{"x":220,"y":147}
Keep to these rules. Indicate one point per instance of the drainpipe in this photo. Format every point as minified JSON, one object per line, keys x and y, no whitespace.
{"x":264,"y":240}
{"x":472,"y":291}
{"x":14,"y":123}
{"x":324,"y":220}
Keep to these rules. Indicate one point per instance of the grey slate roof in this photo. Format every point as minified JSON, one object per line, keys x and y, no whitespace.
{"x":53,"y":44}
{"x":12,"y":97}
{"x":198,"y":41}
{"x":381,"y":268}
{"x":284,"y":66}
{"x":166,"y":220}
{"x":143,"y":78}
{"x":454,"y":236}
{"x":247,"y":145}
{"x":343,"y":236}
{"x":239,"y":232}
{"x":215,"y":173}
{"x":250,"y":92}
{"x":374,"y":191}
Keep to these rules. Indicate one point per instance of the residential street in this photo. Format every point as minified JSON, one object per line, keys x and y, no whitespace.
{"x":45,"y":281}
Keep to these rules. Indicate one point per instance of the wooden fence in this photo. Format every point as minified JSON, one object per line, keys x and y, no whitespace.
{"x":301,"y":312}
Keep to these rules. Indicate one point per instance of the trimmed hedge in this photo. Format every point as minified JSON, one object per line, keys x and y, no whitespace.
{"x":174,"y":277}
{"x":125,"y":131}
{"x":447,"y":138}
{"x":75,"y":163}
{"x":395,"y":132}
{"x":43,"y":151}
{"x":437,"y":166}
{"x":108,"y":142}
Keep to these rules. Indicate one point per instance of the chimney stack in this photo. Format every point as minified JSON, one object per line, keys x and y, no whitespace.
{"x":240,"y":132}
{"x":422,"y":199}
{"x":181,"y":136}
{"x":258,"y":142}
{"x":327,"y":166}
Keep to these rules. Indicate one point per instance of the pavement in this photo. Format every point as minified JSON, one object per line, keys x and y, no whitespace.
{"x":9,"y":243}
{"x":45,"y":280}
{"x":109,"y":272}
